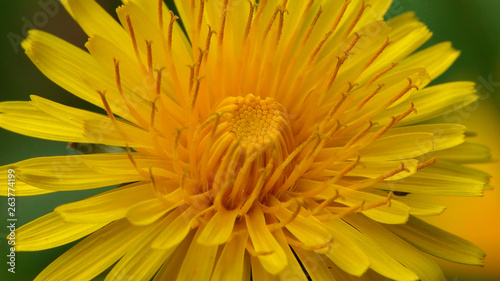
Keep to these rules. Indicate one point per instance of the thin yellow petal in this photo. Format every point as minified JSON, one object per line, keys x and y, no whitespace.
{"x":273,"y":257}
{"x":233,"y":254}
{"x":141,"y":262}
{"x":314,"y":264}
{"x":466,"y":153}
{"x":219,"y":228}
{"x":380,"y":261}
{"x":106,"y":207}
{"x":199,"y":261}
{"x":24,"y":118}
{"x":50,"y":231}
{"x":71,"y":68}
{"x":93,"y":19}
{"x":438,"y":242}
{"x":418,"y":208}
{"x":67,"y":173}
{"x":435,"y":101}
{"x":407,"y":255}
{"x":93,"y":254}
{"x":177,"y":230}
{"x":148,"y":211}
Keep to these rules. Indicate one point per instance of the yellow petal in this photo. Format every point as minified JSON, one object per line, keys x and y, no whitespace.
{"x":67,"y":173}
{"x":444,"y":135}
{"x":50,"y":231}
{"x":67,"y":114}
{"x":273,"y":257}
{"x":106,"y":207}
{"x":170,"y":269}
{"x":372,"y":169}
{"x":95,"y":20}
{"x":259,"y":272}
{"x":141,"y":262}
{"x":71,"y":68}
{"x":19,"y":188}
{"x":407,"y":255}
{"x":219,"y":228}
{"x":24,"y":118}
{"x":148,"y":211}
{"x":93,"y":254}
{"x":233,"y":254}
{"x":436,"y":59}
{"x":418,"y":208}
{"x":199,"y":261}
{"x":177,"y":230}
{"x":308,"y":230}
{"x":466,"y":153}
{"x":293,"y":270}
{"x":314,"y":264}
{"x":435,"y":101}
{"x":398,"y":147}
{"x":434,"y":181}
{"x":395,"y":213}
{"x":438,"y":242}
{"x":116,"y":133}
{"x":380,"y":261}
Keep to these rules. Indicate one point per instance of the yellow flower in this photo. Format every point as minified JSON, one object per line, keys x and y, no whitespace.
{"x":270,"y":141}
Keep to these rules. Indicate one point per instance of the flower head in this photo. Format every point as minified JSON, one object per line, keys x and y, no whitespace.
{"x":275,"y":140}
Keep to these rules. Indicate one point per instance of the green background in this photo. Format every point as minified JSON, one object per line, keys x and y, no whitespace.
{"x":472,"y":26}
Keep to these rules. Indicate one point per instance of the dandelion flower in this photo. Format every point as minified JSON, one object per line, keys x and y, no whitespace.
{"x":277,"y":140}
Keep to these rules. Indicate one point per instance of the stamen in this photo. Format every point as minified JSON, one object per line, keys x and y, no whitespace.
{"x":196,"y":91}
{"x":358,"y":17}
{"x":329,"y":33}
{"x":207,"y":43}
{"x":160,"y":15}
{"x":249,"y":21}
{"x":131,"y":158}
{"x":280,"y":25}
{"x":134,"y":41}
{"x":377,"y":54}
{"x":283,"y":223}
{"x":200,"y":15}
{"x":175,"y":155}
{"x":153,"y":182}
{"x":257,"y":191}
{"x":369,"y":97}
{"x":158,"y":82}
{"x":407,"y":112}
{"x":150,"y":57}
{"x":403,"y":92}
{"x":386,"y":201}
{"x":173,"y":18}
{"x":271,"y":22}
{"x":333,"y":76}
{"x":223,"y":22}
{"x":106,"y":105}
{"x":131,"y":108}
{"x":426,"y":163}
{"x":325,"y":203}
{"x":313,"y":24}
{"x":384,"y":71}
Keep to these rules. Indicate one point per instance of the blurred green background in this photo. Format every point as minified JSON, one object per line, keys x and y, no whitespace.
{"x":472,"y":26}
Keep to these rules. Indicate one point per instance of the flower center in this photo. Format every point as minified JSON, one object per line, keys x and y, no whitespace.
{"x":255,"y":123}
{"x":244,"y":145}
